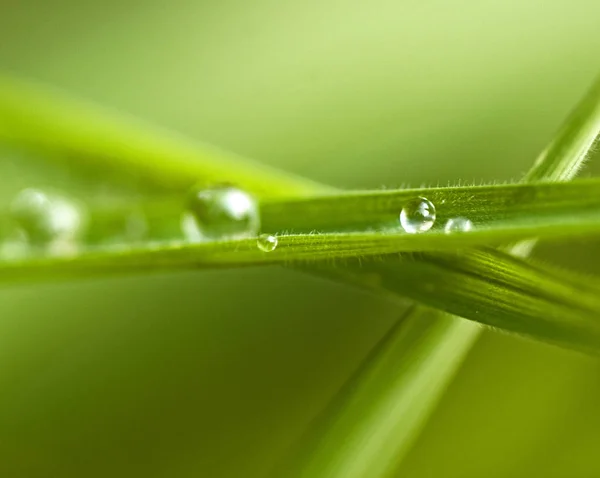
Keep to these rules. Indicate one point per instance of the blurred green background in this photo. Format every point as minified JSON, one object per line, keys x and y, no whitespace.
{"x":216,"y":374}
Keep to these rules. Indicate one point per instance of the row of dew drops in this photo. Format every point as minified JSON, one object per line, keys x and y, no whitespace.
{"x":228,"y":212}
{"x":55,"y":224}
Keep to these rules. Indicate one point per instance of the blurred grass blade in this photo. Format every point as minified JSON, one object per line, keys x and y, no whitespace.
{"x":567,"y":153}
{"x":370,"y":424}
{"x":92,"y":137}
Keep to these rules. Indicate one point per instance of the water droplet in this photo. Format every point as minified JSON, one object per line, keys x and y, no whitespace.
{"x":418,"y":215}
{"x":221,"y":213}
{"x":48,"y":220}
{"x":458,"y":224}
{"x":267,"y":242}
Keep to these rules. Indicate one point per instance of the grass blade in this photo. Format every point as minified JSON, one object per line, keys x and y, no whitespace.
{"x":496,"y":211}
{"x":94,"y":138}
{"x":501,"y":213}
{"x":371,"y":224}
{"x":574,"y":143}
{"x":370,"y":424}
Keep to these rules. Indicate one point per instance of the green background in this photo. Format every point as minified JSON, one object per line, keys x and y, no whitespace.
{"x":216,"y":374}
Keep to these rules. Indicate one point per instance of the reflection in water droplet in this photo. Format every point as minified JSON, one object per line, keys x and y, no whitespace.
{"x":48,"y":222}
{"x":418,"y":215}
{"x":221,"y":213}
{"x":190,"y":228}
{"x":458,"y":224}
{"x":267,"y":242}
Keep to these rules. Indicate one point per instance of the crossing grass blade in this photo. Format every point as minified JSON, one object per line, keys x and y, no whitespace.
{"x":372,"y":423}
{"x":485,"y":286}
{"x":394,"y":414}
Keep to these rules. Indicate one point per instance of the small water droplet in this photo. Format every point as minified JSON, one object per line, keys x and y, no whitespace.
{"x":48,"y":221}
{"x":221,"y":213}
{"x":458,"y":224}
{"x":418,"y":215}
{"x":267,"y":242}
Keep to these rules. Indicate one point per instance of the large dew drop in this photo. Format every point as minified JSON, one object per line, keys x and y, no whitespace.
{"x":418,"y":215}
{"x":267,"y":242}
{"x":458,"y":224}
{"x":48,"y":221}
{"x":221,"y":213}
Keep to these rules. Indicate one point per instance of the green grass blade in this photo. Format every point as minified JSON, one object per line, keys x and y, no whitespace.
{"x":103,"y":141}
{"x":369,"y":221}
{"x":573,"y":144}
{"x":494,"y":289}
{"x":370,"y":424}
{"x":496,"y":211}
{"x":501,"y":213}
{"x":488,"y":288}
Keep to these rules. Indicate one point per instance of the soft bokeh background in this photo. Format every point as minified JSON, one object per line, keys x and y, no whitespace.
{"x":217,"y":373}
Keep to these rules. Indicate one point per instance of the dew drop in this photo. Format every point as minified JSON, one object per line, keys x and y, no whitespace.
{"x":418,"y":215}
{"x":458,"y":224}
{"x":220,"y":213}
{"x":48,"y":221}
{"x":267,"y":242}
